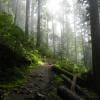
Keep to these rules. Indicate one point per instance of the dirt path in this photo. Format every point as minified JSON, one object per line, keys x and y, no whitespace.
{"x":37,"y":82}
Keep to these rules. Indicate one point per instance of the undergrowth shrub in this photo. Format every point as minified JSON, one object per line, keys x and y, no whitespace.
{"x":72,"y":67}
{"x":17,"y":50}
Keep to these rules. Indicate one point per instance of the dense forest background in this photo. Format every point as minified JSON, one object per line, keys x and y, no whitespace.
{"x":63,"y":29}
{"x":61,"y":32}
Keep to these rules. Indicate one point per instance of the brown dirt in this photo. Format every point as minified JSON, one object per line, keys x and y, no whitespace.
{"x":37,"y":82}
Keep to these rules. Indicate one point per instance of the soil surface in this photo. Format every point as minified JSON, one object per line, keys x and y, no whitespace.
{"x":38,"y":83}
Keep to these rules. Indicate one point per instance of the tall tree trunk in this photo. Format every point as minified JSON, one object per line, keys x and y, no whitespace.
{"x":47,"y":33}
{"x":27,"y":17}
{"x":61,"y":47}
{"x":0,"y":5}
{"x":32,"y":21}
{"x":53,"y":37}
{"x":38,"y":25}
{"x":95,"y":33}
{"x":16,"y":8}
{"x":32,"y":24}
{"x":75,"y":33}
{"x":62,"y":35}
{"x":83,"y":47}
{"x":8,"y":5}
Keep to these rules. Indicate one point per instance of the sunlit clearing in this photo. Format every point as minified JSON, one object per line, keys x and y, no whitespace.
{"x":54,"y":6}
{"x":40,"y":63}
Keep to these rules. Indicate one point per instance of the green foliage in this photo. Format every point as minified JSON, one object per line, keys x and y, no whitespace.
{"x":58,"y":80}
{"x":13,"y":37}
{"x":5,"y":20}
{"x":34,"y":57}
{"x":54,"y":96}
{"x":45,"y":51}
{"x":9,"y":33}
{"x":72,"y":67}
{"x":13,"y":77}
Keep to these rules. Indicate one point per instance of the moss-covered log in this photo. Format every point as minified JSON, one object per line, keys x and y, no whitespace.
{"x":77,"y":88}
{"x":62,"y":71}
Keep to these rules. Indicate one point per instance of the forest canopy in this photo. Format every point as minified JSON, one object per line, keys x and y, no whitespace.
{"x":64,"y":33}
{"x":59,"y":29}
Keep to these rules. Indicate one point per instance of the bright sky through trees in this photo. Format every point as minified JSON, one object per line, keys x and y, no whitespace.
{"x":53,"y":6}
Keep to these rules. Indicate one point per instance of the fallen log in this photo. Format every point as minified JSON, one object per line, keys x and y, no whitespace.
{"x":77,"y":88}
{"x":67,"y":94}
{"x":58,"y":70}
{"x":62,"y":71}
{"x":68,"y":79}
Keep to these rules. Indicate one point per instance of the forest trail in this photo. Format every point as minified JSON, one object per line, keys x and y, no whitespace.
{"x":39,"y":81}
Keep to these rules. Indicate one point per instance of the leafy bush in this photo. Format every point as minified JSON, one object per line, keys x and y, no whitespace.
{"x":45,"y":51}
{"x":16,"y":50}
{"x":34,"y":57}
{"x":12,"y":35}
{"x":72,"y":67}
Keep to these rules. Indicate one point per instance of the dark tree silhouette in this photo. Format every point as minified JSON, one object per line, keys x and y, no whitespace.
{"x":95,"y":34}
{"x":27,"y":16}
{"x":38,"y":25}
